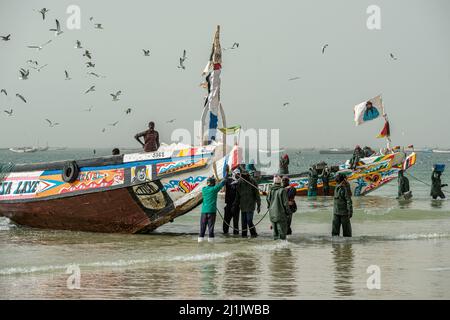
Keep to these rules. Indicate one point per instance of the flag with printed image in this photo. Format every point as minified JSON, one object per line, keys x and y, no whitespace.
{"x":368,"y":110}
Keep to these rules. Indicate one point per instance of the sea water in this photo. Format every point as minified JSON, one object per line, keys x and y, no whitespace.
{"x":406,"y":243}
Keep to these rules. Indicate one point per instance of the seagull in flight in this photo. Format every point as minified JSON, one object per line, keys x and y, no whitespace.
{"x":182,"y":59}
{"x":40,"y":68}
{"x":18,"y":95}
{"x":51,"y":124}
{"x":95,"y":74}
{"x":67,"y":75}
{"x":78,"y":45}
{"x":89,"y":109}
{"x":116,"y":96}
{"x":171,"y":121}
{"x":234,"y":46}
{"x":90,"y":64}
{"x":9,"y":112}
{"x":24,"y":74}
{"x":113,"y":124}
{"x":103,"y":130}
{"x":33,"y":62}
{"x":98,"y":26}
{"x":58,"y":28}
{"x":128,"y":111}
{"x":41,"y":46}
{"x":146,"y":52}
{"x":43,"y":11}
{"x":286,"y":104}
{"x":294,"y":78}
{"x":4,"y":91}
{"x":6,"y":38}
{"x":324,"y":47}
{"x":393,"y":57}
{"x":92,"y":88}
{"x":87,"y":54}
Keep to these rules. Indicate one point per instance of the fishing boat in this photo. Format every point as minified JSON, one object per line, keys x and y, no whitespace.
{"x":129,"y":193}
{"x":24,"y":149}
{"x":370,"y":174}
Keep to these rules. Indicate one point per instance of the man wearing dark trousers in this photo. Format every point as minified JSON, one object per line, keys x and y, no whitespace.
{"x":343,"y":207}
{"x":231,"y":212}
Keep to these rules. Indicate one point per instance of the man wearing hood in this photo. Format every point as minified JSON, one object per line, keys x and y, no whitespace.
{"x":403,"y":186}
{"x":343,"y":207}
{"x":231,"y":212}
{"x":277,"y":202}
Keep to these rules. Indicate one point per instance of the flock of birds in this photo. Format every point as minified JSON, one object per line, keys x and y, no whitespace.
{"x":34,"y":64}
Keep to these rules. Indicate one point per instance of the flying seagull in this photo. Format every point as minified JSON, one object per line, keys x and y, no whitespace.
{"x":89,"y":109}
{"x":43,"y":11}
{"x":234,"y":46}
{"x":39,"y":69}
{"x":9,"y":112}
{"x":4,"y":91}
{"x":24,"y":74}
{"x":90,"y":64}
{"x":6,"y":38}
{"x":51,"y":124}
{"x":78,"y":45}
{"x":87,"y":54}
{"x":92,"y":88}
{"x":294,"y":78}
{"x":95,"y":74}
{"x":286,"y":104}
{"x":91,"y":18}
{"x":103,"y":130}
{"x":146,"y":52}
{"x":67,"y":75}
{"x":33,"y":62}
{"x":41,"y":46}
{"x":58,"y":28}
{"x":393,"y":57}
{"x":116,"y":96}
{"x":182,"y":59}
{"x":323,"y":48}
{"x":98,"y":26}
{"x":113,"y":124}
{"x":171,"y":121}
{"x":18,"y":95}
{"x":128,"y":111}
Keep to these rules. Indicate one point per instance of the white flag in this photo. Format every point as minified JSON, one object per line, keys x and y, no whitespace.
{"x":368,"y":110}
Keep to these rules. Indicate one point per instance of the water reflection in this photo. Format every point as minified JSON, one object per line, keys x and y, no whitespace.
{"x":283,"y":281}
{"x":208,"y":279}
{"x":343,"y":263}
{"x":241,"y":276}
{"x":437,"y":203}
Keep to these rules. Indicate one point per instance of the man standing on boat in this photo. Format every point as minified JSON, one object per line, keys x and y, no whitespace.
{"x":247,"y":198}
{"x":343,"y":207}
{"x":358,"y":153}
{"x":209,"y":208}
{"x":151,"y":138}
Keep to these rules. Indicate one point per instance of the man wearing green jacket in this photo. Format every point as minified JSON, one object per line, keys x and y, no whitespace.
{"x":209,"y":208}
{"x":278,"y":204}
{"x":247,"y":198}
{"x":343,"y":207}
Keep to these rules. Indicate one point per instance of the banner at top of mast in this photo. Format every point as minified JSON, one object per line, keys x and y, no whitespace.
{"x":368,"y":110}
{"x":212,"y":108}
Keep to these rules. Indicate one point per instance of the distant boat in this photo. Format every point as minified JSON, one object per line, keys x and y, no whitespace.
{"x":61,"y":148}
{"x":24,"y":149}
{"x":44,"y":148}
{"x":336,"y":151}
{"x":441,"y":151}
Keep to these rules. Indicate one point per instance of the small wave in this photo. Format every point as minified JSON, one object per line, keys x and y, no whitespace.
{"x":270,"y":247}
{"x":5,"y":224}
{"x":200,"y":257}
{"x":417,"y":236}
{"x":439,"y":269}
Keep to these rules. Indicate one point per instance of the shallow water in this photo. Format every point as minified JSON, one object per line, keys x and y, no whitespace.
{"x":409,"y":242}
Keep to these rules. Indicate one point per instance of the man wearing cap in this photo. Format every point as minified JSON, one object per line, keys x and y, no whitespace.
{"x":277,"y":202}
{"x":343,"y":207}
{"x":247,"y":198}
{"x":209,"y":208}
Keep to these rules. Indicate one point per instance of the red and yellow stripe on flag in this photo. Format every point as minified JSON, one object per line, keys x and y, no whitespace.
{"x":386,"y":132}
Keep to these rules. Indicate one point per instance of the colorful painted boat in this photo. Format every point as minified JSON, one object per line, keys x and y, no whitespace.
{"x":370,"y":174}
{"x":131,"y":193}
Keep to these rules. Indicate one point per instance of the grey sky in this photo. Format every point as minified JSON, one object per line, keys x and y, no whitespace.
{"x":278,"y":40}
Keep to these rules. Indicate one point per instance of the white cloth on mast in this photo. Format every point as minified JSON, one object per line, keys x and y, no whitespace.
{"x":368,"y":110}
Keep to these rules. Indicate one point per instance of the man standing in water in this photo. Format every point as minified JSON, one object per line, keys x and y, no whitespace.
{"x":403,"y":187}
{"x":284,"y":164}
{"x":231,"y":211}
{"x":209,"y":208}
{"x":292,"y":206}
{"x":343,"y":207}
{"x":151,"y":138}
{"x":436,"y":184}
{"x":312,"y":182}
{"x":247,"y":198}
{"x":277,"y":202}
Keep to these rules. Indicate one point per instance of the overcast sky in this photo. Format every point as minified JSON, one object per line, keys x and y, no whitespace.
{"x":278,"y":40}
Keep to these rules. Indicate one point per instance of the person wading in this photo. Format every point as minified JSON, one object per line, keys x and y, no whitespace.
{"x":284,"y":164}
{"x":403,"y":186}
{"x":312,"y":182}
{"x":151,"y":138}
{"x":231,"y":211}
{"x":436,"y":185}
{"x":247,"y":198}
{"x":209,"y":208}
{"x":343,"y":207}
{"x":277,"y":202}
{"x":326,"y":181}
{"x":292,"y":206}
